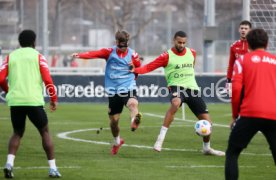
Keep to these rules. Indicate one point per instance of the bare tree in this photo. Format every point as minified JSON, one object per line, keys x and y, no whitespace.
{"x":120,"y":14}
{"x":59,"y":8}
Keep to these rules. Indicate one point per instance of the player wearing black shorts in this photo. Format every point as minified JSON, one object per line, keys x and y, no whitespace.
{"x":119,"y":83}
{"x":36,"y":114}
{"x":25,"y":98}
{"x":253,"y":104}
{"x":118,"y":101}
{"x":115,"y":108}
{"x":191,"y":97}
{"x":178,"y":63}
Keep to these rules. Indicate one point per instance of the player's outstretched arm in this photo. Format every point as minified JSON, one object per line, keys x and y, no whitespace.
{"x":103,"y":53}
{"x":160,"y":61}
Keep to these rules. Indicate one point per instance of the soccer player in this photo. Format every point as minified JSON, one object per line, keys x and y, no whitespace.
{"x":253,"y":99}
{"x":120,"y":84}
{"x":178,"y":63}
{"x":26,"y":70}
{"x":238,"y":48}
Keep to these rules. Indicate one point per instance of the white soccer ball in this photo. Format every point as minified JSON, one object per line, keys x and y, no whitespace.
{"x":203,"y":128}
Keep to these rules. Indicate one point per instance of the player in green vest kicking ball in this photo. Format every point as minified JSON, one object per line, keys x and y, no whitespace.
{"x":178,"y":63}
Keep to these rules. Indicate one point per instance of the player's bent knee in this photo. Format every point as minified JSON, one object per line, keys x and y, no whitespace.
{"x":176,"y":102}
{"x":132,"y":104}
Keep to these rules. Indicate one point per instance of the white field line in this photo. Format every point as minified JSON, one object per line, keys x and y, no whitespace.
{"x":47,"y":167}
{"x":185,"y":120}
{"x":74,"y":123}
{"x":65,"y":135}
{"x":205,"y":166}
{"x":193,"y":121}
{"x":5,"y":118}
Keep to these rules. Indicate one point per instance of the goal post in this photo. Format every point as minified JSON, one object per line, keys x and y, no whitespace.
{"x":263,"y":15}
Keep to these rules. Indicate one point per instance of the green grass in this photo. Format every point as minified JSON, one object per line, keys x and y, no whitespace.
{"x":86,"y":160}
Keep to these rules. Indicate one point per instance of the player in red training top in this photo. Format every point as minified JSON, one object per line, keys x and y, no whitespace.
{"x":238,"y":48}
{"x":120,"y":84}
{"x":253,"y":100}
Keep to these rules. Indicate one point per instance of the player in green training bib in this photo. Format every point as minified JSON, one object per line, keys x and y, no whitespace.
{"x":178,"y":63}
{"x":26,"y":70}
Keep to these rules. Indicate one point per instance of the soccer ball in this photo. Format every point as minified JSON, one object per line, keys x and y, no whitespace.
{"x":203,"y":128}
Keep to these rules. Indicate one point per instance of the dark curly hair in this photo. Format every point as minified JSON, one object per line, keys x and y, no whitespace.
{"x":27,"y":38}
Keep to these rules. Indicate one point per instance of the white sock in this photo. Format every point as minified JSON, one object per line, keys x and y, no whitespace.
{"x":10,"y":159}
{"x":52,"y":164}
{"x":117,"y":140}
{"x":206,"y":145}
{"x":163,"y":132}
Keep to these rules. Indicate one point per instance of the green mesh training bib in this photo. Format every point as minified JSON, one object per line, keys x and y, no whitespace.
{"x":180,"y":70}
{"x":24,"y":78}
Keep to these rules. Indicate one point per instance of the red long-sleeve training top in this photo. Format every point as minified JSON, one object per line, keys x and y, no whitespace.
{"x":104,"y":53}
{"x":255,"y":74}
{"x":237,"y":49}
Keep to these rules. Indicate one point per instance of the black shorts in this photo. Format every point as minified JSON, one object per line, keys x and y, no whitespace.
{"x":246,"y":127}
{"x":117,"y":101}
{"x":36,"y":114}
{"x":190,"y":97}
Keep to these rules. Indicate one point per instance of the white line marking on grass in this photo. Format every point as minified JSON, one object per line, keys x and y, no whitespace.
{"x":179,"y":119}
{"x":64,"y":135}
{"x":47,"y":167}
{"x":75,"y":123}
{"x":4,"y":117}
{"x":193,"y":121}
{"x":205,"y":166}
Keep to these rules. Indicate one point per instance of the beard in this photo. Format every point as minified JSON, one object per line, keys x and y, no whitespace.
{"x":179,"y":49}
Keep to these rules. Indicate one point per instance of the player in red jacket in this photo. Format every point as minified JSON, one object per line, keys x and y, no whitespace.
{"x":238,"y":48}
{"x":253,"y":99}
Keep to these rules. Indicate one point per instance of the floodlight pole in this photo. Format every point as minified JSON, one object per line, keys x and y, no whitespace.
{"x":21,"y":15}
{"x":45,"y":40}
{"x":209,"y":46}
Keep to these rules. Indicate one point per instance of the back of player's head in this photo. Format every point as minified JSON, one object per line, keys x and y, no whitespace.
{"x":122,"y":38}
{"x":27,"y":38}
{"x":257,"y":38}
{"x":180,"y":34}
{"x":245,"y":22}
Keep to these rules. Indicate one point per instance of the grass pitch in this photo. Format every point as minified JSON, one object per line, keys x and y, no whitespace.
{"x":82,"y":140}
